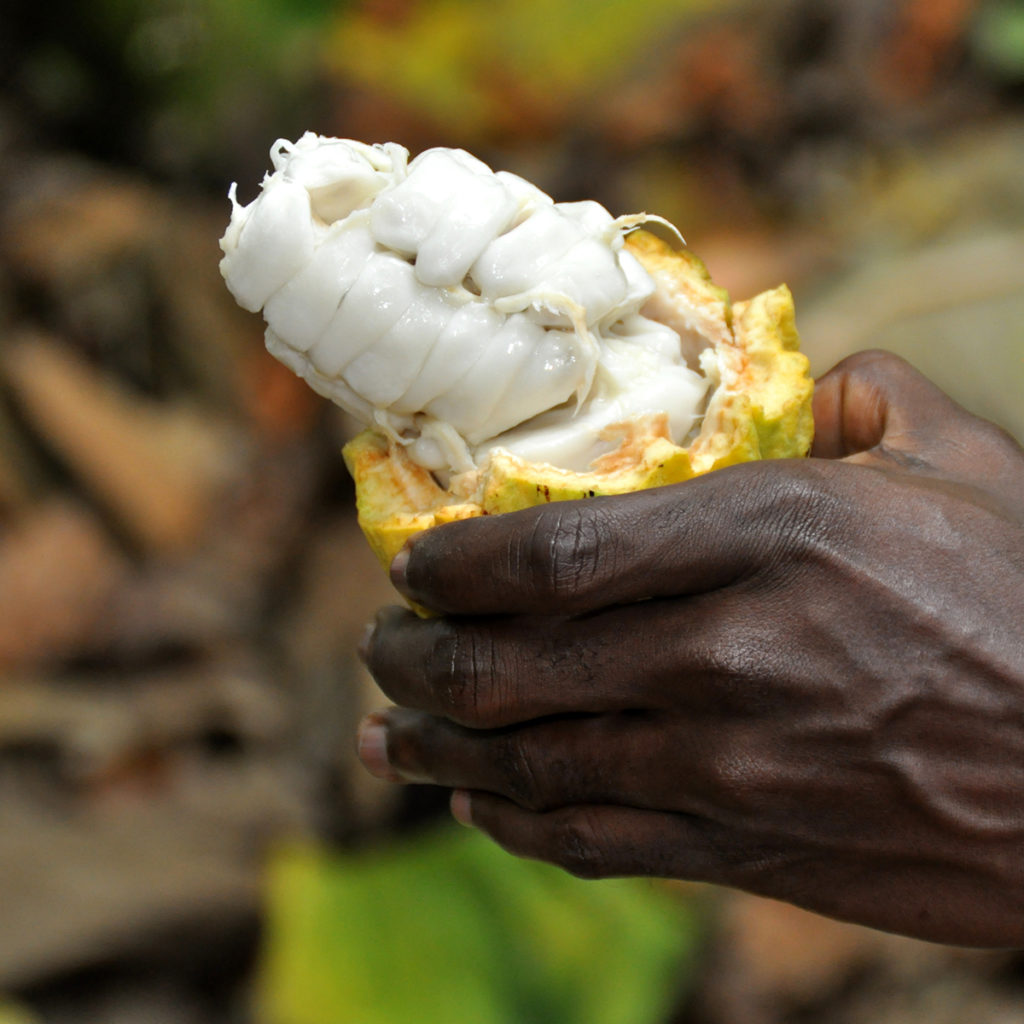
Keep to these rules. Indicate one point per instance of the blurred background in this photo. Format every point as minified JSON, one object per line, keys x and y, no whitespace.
{"x":184,"y":835}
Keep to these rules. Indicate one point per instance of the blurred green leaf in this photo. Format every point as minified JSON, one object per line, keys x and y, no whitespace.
{"x":998,"y":37}
{"x":448,"y":927}
{"x":470,"y":66}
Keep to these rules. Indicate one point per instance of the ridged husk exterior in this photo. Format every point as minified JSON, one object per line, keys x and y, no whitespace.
{"x":761,"y":409}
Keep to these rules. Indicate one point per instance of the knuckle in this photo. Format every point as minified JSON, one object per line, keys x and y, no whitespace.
{"x":744,"y":780}
{"x":738,"y":854}
{"x":739,"y":654}
{"x":580,"y":846}
{"x":564,"y":551}
{"x":757,"y":864}
{"x":517,"y":762}
{"x":463,"y":675}
{"x":804,"y":513}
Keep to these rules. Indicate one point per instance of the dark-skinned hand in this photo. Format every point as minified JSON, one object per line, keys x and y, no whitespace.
{"x":801,"y":678}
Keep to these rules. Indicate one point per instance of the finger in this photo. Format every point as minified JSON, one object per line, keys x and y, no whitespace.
{"x":487,"y":673}
{"x":922,"y":896}
{"x":630,"y":759}
{"x":577,"y":556}
{"x":599,"y":841}
{"x":704,"y":651}
{"x":874,"y":402}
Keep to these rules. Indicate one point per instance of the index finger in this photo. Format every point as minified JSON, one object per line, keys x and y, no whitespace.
{"x":578,"y":556}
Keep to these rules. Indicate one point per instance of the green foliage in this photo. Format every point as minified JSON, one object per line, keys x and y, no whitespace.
{"x":468,"y":70}
{"x":998,"y":37}
{"x":448,"y":927}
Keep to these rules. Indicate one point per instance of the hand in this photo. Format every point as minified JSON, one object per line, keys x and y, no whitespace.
{"x":800,"y":678}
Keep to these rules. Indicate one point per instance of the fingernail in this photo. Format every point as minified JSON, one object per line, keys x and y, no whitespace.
{"x":366,"y":641}
{"x":399,"y":565}
{"x":372,"y":748}
{"x":461,"y":807}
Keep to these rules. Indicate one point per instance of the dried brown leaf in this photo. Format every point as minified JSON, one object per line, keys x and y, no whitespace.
{"x":156,"y":467}
{"x":58,"y":570}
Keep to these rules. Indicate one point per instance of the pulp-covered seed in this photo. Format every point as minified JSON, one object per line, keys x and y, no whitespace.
{"x":272,"y":238}
{"x":469,"y":403}
{"x":338,"y":175}
{"x":386,"y":369}
{"x":461,"y":342}
{"x":444,"y":213}
{"x":304,"y":306}
{"x":379,"y":296}
{"x":514,"y":263}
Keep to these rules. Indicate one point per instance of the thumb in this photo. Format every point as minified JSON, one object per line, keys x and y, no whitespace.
{"x":874,"y":406}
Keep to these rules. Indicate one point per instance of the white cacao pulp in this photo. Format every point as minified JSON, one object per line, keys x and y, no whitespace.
{"x":454,"y":308}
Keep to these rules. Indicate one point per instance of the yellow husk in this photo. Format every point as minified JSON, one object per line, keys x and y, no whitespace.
{"x":761,"y":409}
